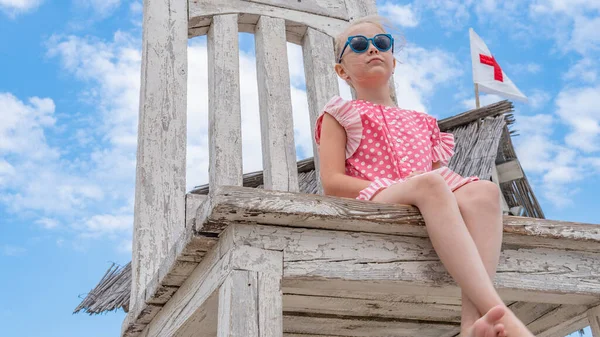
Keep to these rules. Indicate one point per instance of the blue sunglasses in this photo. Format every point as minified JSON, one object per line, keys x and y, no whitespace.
{"x":360,"y":44}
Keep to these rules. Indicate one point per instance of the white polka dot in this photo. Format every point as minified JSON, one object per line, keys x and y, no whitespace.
{"x":379,"y":153}
{"x":372,"y":150}
{"x":375,"y":134}
{"x":382,"y":171}
{"x":368,"y":131}
{"x":381,"y":162}
{"x":374,"y":159}
{"x":387,"y":157}
{"x":370,"y":140}
{"x":370,"y":175}
{"x":388,"y":167}
{"x":364,"y":147}
{"x":389,"y":176}
{"x":363,"y":163}
{"x":369,"y":166}
{"x":367,"y":156}
{"x":361,"y":153}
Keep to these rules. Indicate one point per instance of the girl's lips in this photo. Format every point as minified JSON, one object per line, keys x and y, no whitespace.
{"x":375,"y":59}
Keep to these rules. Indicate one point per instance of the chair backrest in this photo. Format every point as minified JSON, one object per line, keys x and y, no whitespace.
{"x":160,"y":197}
{"x":309,"y":23}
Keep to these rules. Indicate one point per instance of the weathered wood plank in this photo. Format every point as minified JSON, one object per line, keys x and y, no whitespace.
{"x":238,"y":301}
{"x":496,"y":180}
{"x":593,"y":316}
{"x":321,"y":80}
{"x":270,"y":304}
{"x":275,"y":105}
{"x":561,"y":321}
{"x":181,"y":310}
{"x":329,"y":8}
{"x":202,"y":9}
{"x":536,"y":274}
{"x":509,"y":171}
{"x":247,"y":205}
{"x":224,"y":109}
{"x":192,"y":203}
{"x":159,"y":209}
{"x":359,"y":326}
{"x":376,"y":309}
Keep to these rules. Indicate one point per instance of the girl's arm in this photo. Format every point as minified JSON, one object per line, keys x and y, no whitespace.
{"x":436,"y":165}
{"x":332,"y":153}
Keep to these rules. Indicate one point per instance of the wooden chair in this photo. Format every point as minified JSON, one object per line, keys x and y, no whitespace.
{"x":269,"y":262}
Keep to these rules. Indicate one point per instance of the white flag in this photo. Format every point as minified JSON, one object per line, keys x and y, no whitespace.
{"x":487,"y":72}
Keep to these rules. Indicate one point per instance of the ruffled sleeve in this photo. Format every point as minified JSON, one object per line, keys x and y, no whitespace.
{"x":345,"y":114}
{"x":442,"y":143}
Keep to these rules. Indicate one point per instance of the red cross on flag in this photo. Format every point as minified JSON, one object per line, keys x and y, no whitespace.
{"x":488,"y":74}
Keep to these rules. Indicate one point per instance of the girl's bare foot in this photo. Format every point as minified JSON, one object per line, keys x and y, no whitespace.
{"x":489,"y":325}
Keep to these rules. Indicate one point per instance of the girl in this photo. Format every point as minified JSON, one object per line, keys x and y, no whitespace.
{"x":372,"y":150}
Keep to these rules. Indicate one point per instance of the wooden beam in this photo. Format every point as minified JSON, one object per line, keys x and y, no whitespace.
{"x":561,"y":321}
{"x":159,"y":209}
{"x":509,"y":171}
{"x":496,"y":180}
{"x":403,"y":264}
{"x":321,"y":80}
{"x":296,"y":20}
{"x":224,"y":115}
{"x":180,"y":312}
{"x":593,"y":316}
{"x":275,"y":105}
{"x":232,"y":205}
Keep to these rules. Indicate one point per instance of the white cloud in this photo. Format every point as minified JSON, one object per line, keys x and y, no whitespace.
{"x":585,"y":70}
{"x":531,"y":67}
{"x":401,"y":15}
{"x":100,"y":7}
{"x":11,"y":250}
{"x":538,"y":99}
{"x":421,"y":72}
{"x":484,"y":99}
{"x":15,"y":7}
{"x":578,"y":109}
{"x":48,"y":223}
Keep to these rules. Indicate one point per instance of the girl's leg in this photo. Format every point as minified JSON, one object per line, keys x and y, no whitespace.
{"x":450,"y":238}
{"x":479,"y":204}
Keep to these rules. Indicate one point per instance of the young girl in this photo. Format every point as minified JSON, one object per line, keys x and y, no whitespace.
{"x":372,"y":150}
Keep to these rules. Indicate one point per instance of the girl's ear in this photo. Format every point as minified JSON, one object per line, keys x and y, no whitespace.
{"x":339,"y":69}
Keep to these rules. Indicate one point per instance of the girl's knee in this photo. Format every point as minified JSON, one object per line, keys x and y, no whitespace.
{"x":432,"y":185}
{"x":480,"y":195}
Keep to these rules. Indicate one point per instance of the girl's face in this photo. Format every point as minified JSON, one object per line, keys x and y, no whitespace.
{"x":370,"y":68}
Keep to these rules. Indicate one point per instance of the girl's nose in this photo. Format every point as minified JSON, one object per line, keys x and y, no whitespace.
{"x":373,"y":49}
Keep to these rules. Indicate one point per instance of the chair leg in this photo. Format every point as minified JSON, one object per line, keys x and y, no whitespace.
{"x":250,"y":305}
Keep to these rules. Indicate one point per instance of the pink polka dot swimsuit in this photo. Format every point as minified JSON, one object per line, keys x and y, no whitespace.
{"x":386,"y":144}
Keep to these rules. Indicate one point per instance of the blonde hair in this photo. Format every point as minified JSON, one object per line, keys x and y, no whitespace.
{"x":376,"y":20}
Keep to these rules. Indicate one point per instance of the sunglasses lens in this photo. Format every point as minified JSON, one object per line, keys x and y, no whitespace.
{"x":359,"y":44}
{"x":383,"y":42}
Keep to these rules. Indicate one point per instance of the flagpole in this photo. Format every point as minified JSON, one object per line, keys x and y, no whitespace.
{"x":477,"y":95}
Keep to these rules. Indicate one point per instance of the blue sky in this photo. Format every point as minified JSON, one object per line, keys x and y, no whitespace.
{"x":69,"y":87}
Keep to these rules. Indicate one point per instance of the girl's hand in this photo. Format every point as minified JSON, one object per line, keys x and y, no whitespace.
{"x":415,"y":173}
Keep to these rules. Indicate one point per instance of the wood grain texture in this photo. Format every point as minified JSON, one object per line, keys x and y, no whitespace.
{"x":296,"y":21}
{"x":247,"y":205}
{"x":275,"y":105}
{"x":238,"y":301}
{"x":224,"y":109}
{"x":321,"y":80}
{"x":593,"y":316}
{"x":328,"y":8}
{"x":270,"y":304}
{"x":509,"y":171}
{"x":561,"y":321}
{"x":359,"y":327}
{"x":159,"y":209}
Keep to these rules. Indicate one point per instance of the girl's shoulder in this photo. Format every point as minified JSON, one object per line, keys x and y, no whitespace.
{"x":344,"y":112}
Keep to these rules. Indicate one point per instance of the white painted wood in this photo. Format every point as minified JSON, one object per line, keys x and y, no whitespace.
{"x":224,"y":117}
{"x":234,"y":204}
{"x":348,"y":306}
{"x":192,"y":203}
{"x":159,"y":210}
{"x":238,"y":301}
{"x":181,"y":311}
{"x":593,"y":316}
{"x":329,"y":8}
{"x":560,"y":322}
{"x":509,"y":171}
{"x":270,"y":304}
{"x":275,"y":104}
{"x":321,"y":81}
{"x":365,"y":328}
{"x":202,"y":9}
{"x":535,"y":274}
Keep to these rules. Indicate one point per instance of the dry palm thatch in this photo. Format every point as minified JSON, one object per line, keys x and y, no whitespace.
{"x":111,"y":293}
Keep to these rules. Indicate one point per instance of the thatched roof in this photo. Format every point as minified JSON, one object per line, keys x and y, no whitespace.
{"x":483,"y":140}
